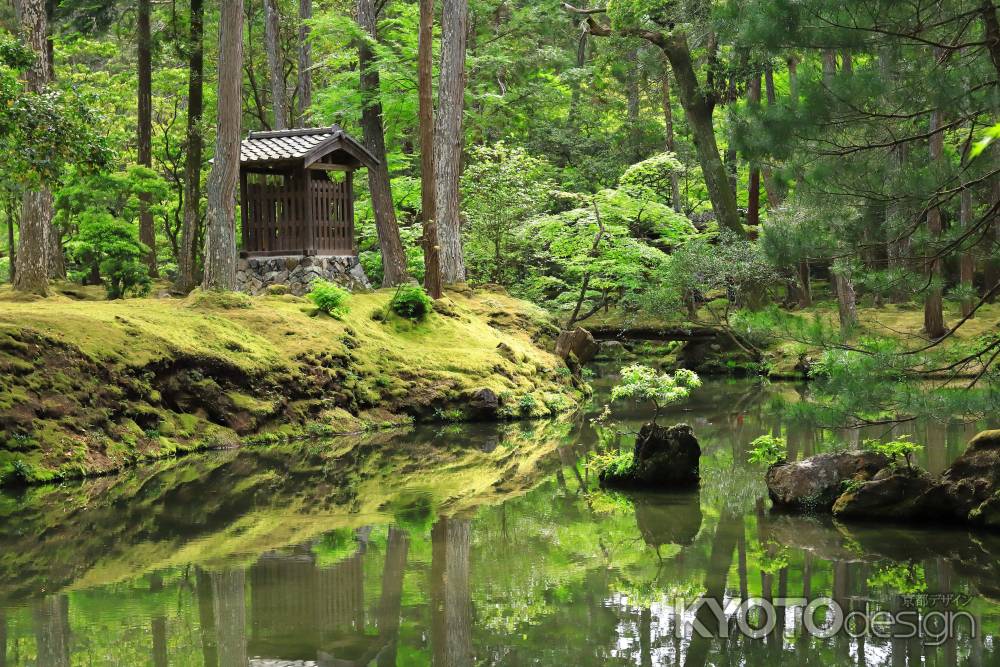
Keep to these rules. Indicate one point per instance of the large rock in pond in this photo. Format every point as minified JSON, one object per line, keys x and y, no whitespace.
{"x":665,"y":458}
{"x":895,"y":493}
{"x":970,"y":489}
{"x":815,"y":483}
{"x":580,"y":342}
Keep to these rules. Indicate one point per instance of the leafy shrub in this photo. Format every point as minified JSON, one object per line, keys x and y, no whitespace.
{"x":329,"y":298}
{"x":767,"y":450}
{"x":526,"y":404}
{"x":893,"y":450}
{"x":614,"y":463}
{"x":411,"y":302}
{"x":661,"y":389}
{"x":4,"y":269}
{"x":109,"y":249}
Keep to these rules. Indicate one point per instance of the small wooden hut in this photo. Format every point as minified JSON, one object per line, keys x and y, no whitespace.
{"x":297,"y":194}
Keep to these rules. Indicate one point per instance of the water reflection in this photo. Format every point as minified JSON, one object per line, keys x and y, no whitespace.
{"x":401,"y":550}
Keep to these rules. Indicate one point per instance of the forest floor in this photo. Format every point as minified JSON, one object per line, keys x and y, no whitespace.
{"x":89,"y":386}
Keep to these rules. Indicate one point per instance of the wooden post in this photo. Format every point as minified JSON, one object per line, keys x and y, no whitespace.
{"x":310,"y":216}
{"x":244,"y":230}
{"x":349,"y":185}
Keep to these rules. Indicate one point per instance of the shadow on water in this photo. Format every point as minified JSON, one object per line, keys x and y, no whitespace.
{"x":478,"y":544}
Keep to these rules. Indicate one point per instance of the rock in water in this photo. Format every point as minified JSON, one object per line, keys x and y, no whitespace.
{"x":815,"y":483}
{"x":483,"y":404}
{"x":970,"y":489}
{"x":895,"y":493}
{"x":664,"y":458}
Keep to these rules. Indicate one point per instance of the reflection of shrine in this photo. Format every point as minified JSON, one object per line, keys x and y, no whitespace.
{"x":301,"y":611}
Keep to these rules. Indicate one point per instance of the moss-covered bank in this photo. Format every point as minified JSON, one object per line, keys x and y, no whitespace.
{"x":88,"y":387}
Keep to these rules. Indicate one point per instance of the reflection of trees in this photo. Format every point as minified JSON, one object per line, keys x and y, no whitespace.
{"x":392,"y":594}
{"x":451,"y":600}
{"x":229,"y":607}
{"x":52,"y":633}
{"x":716,"y":572}
{"x":206,"y":617}
{"x":3,"y":638}
{"x":158,"y":626}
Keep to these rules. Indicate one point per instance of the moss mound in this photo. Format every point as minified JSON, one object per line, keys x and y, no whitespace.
{"x":89,"y":387}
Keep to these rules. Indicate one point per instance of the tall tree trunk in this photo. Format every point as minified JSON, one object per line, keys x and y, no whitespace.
{"x":35,"y":244}
{"x":451,"y":617}
{"x":581,"y":61}
{"x":448,"y":137}
{"x":775,"y":195}
{"x":158,"y":627}
{"x":220,"y":232}
{"x":425,"y":83}
{"x":305,"y":61}
{"x":793,"y":81}
{"x":753,"y":184}
{"x":699,"y":109}
{"x":11,"y":249}
{"x":933,"y":301}
{"x":992,"y":237}
{"x":668,"y":120}
{"x":632,"y":107}
{"x":967,"y":262}
{"x":275,"y":63}
{"x":192,"y":165}
{"x":147,"y":233}
{"x":393,"y":257}
{"x":206,"y":618}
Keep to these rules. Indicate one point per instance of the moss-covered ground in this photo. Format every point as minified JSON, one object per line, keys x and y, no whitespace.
{"x":89,"y":386}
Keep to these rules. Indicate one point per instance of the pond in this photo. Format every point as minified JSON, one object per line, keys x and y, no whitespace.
{"x":485,"y":545}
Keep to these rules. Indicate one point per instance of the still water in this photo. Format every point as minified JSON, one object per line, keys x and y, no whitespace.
{"x":475,"y":545}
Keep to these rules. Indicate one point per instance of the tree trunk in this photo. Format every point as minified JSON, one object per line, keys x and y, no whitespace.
{"x":967,"y":263}
{"x":192,"y":166}
{"x":425,"y":82}
{"x":668,"y":119}
{"x":805,"y":287}
{"x":632,"y":107}
{"x":305,"y":61}
{"x":451,"y":616}
{"x":581,"y":61}
{"x":846,"y":300}
{"x":793,"y":81}
{"x":52,"y":631}
{"x":775,"y":194}
{"x":220,"y":233}
{"x":390,"y":602}
{"x":448,"y":137}
{"x":35,"y":244}
{"x":147,"y":234}
{"x":275,"y":63}
{"x":393,"y":257}
{"x":753,"y":185}
{"x":933,"y":301}
{"x":699,"y":109}
{"x":229,"y":611}
{"x":992,"y":237}
{"x":11,"y":252}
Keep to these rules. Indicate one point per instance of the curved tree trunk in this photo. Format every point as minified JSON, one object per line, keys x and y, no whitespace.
{"x":192,"y":166}
{"x":220,"y":232}
{"x":35,"y":245}
{"x":147,"y":233}
{"x":305,"y":61}
{"x":448,"y":137}
{"x":393,"y":257}
{"x":275,"y":70}
{"x":425,"y":81}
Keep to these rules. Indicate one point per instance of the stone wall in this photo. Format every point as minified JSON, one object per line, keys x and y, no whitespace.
{"x":254,"y":275}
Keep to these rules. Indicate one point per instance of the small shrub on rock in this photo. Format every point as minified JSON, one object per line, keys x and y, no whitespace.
{"x":642,"y":383}
{"x":767,"y":450}
{"x":411,"y":302}
{"x":329,"y":298}
{"x":901,"y":447}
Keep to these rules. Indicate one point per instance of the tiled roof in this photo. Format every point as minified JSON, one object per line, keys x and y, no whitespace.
{"x":285,"y":144}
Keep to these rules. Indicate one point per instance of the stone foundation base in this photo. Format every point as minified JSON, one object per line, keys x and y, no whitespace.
{"x":254,"y":275}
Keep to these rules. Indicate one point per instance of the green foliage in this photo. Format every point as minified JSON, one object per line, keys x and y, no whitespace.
{"x":411,"y":302}
{"x":502,"y":187}
{"x":642,"y":383}
{"x":612,"y":463}
{"x":767,"y":450}
{"x":900,"y":447}
{"x":329,"y":298}
{"x":650,"y":180}
{"x":109,"y":248}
